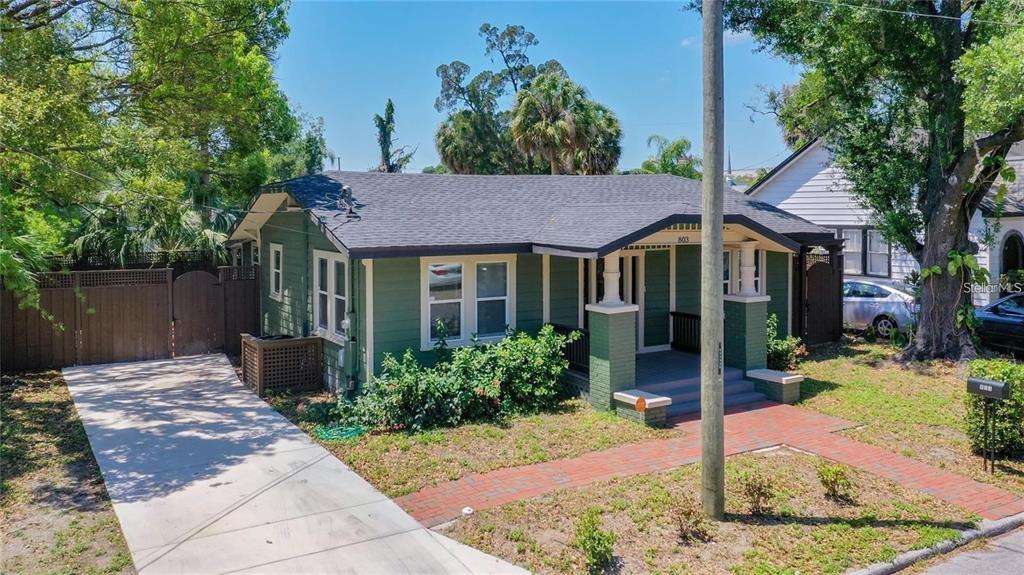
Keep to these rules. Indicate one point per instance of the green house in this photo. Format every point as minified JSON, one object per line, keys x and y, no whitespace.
{"x":371,"y":261}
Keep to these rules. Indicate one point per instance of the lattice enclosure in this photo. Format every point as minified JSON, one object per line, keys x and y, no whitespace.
{"x":55,"y":280}
{"x":238,"y":273}
{"x":282,"y":365}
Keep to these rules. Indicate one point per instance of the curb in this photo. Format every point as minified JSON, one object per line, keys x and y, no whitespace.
{"x":988,"y":529}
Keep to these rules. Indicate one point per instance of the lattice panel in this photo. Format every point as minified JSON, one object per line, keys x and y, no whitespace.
{"x":55,"y":280}
{"x":813,"y":258}
{"x":237,"y":273}
{"x":289,"y":367}
{"x":123,"y":278}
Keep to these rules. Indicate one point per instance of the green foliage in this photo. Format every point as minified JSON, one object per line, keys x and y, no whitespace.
{"x":134,"y":125}
{"x":392,"y":160}
{"x":690,"y":521}
{"x":477,"y":136}
{"x":1009,"y":414}
{"x":783,"y":353}
{"x":555,"y":121}
{"x":759,"y":489}
{"x":519,"y":374}
{"x":835,"y":478}
{"x":914,"y":109}
{"x":671,"y":157}
{"x":596,"y":543}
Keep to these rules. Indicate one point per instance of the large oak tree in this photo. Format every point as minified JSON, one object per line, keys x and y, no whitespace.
{"x":919,"y":102}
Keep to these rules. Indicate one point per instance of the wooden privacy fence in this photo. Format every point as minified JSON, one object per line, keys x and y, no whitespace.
{"x":106,"y":316}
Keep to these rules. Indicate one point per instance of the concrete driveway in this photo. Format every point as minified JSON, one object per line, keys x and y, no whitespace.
{"x":206,"y":478}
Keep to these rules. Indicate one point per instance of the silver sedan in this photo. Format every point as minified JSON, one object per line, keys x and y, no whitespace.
{"x":873,"y":304}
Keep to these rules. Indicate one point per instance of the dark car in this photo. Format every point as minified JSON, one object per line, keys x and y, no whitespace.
{"x":1001,"y":324}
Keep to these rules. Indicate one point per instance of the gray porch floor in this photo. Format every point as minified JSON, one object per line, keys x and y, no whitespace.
{"x":676,"y":374}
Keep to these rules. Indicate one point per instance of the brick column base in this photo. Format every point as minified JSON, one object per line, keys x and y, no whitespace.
{"x":612,"y":351}
{"x":746,"y":337}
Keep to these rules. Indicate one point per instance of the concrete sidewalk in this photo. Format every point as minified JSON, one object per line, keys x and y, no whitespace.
{"x":207,"y":478}
{"x":1003,"y":555}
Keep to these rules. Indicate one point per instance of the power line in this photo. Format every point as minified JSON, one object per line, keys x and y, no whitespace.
{"x":915,"y":14}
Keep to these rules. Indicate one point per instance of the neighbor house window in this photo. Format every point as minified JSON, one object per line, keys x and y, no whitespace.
{"x":471,"y":296}
{"x":853,"y":251}
{"x":445,"y":296}
{"x":276,"y":267}
{"x":255,"y":254}
{"x":330,"y":292}
{"x":491,"y":298}
{"x":237,"y":253}
{"x":878,"y":254}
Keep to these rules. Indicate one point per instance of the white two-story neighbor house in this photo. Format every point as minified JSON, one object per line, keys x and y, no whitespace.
{"x":809,"y":185}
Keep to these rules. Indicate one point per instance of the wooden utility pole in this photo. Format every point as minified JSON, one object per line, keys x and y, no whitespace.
{"x":712,"y":400}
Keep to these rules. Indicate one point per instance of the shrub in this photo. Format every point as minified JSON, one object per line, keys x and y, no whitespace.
{"x":783,"y":353}
{"x":690,"y":521}
{"x":596,"y":543}
{"x":319,"y":412}
{"x":1009,"y":414}
{"x":520,"y":374}
{"x":759,"y":490}
{"x":836,"y":480}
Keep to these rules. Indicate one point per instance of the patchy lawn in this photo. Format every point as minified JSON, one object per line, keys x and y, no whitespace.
{"x":805,"y":533}
{"x":916,"y":410}
{"x":55,"y":516}
{"x":402,"y":463}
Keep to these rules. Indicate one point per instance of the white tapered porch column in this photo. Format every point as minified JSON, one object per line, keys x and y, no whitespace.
{"x":747,"y":268}
{"x":611,"y":279}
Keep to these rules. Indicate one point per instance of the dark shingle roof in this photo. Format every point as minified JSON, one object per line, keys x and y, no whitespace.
{"x":423,"y":214}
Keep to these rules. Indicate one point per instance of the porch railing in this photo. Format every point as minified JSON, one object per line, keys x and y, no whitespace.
{"x":685,"y":331}
{"x":577,"y":352}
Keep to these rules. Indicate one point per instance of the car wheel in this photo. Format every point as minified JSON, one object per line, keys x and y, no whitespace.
{"x":885,"y":326}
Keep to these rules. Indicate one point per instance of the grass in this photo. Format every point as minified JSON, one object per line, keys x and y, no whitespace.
{"x":805,"y":533}
{"x":402,"y":463}
{"x":55,"y":516}
{"x":916,"y":409}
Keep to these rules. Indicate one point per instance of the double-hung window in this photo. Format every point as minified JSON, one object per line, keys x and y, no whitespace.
{"x":444,"y":283}
{"x":276,"y":270}
{"x":330,"y":292}
{"x":878,"y":254}
{"x":491,"y":298}
{"x":255,"y":254}
{"x":467,"y":297}
{"x":853,"y":249}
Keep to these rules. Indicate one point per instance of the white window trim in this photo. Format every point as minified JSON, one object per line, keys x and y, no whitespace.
{"x":328,"y":332}
{"x":468,"y":319}
{"x":730,"y":281}
{"x":868,"y":253}
{"x":276,"y":294}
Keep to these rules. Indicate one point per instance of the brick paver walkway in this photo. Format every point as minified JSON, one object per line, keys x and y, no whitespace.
{"x":747,"y":428}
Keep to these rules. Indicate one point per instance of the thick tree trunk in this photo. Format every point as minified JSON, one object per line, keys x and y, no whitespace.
{"x":943,"y":294}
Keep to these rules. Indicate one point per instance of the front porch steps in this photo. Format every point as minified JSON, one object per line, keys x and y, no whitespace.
{"x":685,"y":392}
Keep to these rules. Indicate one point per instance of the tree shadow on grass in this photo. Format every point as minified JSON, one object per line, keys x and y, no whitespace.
{"x":38,"y":411}
{"x":857,"y":522}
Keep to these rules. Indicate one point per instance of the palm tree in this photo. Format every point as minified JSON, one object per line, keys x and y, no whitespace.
{"x":671,"y":157}
{"x":544,"y":121}
{"x":599,"y":140}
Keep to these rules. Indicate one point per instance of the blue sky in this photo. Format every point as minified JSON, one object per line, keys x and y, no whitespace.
{"x":343,"y":60}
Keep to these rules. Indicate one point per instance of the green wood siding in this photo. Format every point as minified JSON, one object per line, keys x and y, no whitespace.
{"x":745,"y":344}
{"x":656,"y":280}
{"x":293,"y":315}
{"x":777,"y":286}
{"x":529,"y":292}
{"x":564,"y":290}
{"x":688,"y":279}
{"x":396,"y":309}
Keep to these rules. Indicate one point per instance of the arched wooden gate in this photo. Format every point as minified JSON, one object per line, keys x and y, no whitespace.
{"x":210,"y":311}
{"x":817,"y":297}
